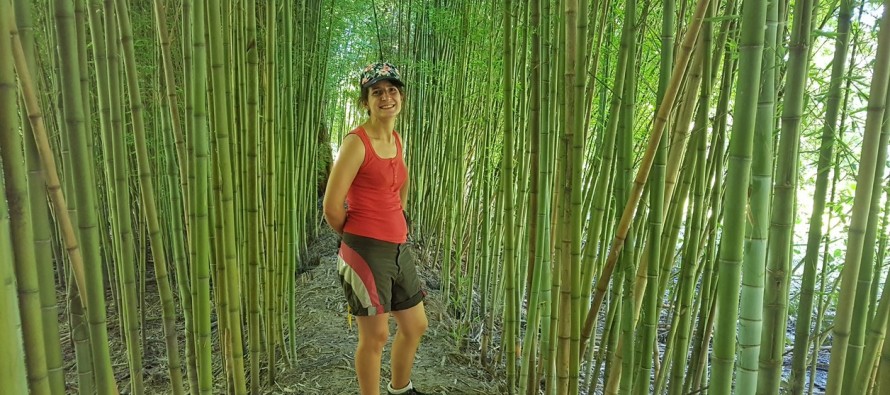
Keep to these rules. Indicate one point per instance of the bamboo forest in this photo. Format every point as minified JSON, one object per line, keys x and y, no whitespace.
{"x":607,"y":197}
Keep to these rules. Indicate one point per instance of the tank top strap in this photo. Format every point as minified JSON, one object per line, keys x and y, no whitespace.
{"x":360,"y":132}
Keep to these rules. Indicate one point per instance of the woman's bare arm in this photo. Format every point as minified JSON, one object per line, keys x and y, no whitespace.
{"x":349,"y":160}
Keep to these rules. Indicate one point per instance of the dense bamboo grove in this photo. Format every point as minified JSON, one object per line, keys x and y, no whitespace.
{"x":622,"y":197}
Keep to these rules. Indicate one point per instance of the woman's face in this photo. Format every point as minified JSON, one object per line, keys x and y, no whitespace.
{"x":384,"y":100}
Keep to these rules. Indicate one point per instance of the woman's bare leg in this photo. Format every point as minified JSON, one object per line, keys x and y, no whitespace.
{"x":373,"y":332}
{"x":412,"y":323}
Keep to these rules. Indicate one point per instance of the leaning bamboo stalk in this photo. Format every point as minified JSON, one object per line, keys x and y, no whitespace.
{"x":645,"y":166}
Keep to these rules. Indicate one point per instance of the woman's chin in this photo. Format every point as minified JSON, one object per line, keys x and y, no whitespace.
{"x":386,"y":115}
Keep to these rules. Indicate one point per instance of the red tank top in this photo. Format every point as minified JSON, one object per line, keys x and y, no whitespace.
{"x":374,"y":203}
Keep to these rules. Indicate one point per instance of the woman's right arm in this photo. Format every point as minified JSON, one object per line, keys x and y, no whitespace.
{"x":349,"y":160}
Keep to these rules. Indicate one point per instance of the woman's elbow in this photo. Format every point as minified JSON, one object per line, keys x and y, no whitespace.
{"x":330,"y":207}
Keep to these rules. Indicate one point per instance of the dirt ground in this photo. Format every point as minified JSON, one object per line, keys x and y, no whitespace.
{"x":325,"y":341}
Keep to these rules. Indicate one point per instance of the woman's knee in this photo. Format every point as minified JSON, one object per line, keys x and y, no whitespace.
{"x":414,"y":328}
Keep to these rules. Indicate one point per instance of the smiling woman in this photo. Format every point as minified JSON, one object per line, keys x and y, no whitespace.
{"x":376,"y":267}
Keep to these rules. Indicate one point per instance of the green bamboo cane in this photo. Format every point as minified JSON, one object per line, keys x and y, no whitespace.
{"x":866,"y":381}
{"x":13,"y":363}
{"x":818,"y":338}
{"x":41,"y":220}
{"x":883,"y":381}
{"x":756,"y":233}
{"x":540,"y":251}
{"x":534,"y":125}
{"x":878,"y":325}
{"x":12,"y":355}
{"x":775,"y":304}
{"x":707,"y":304}
{"x":253,"y":225}
{"x":880,"y":254}
{"x":560,"y":291}
{"x":548,"y":357}
{"x":200,"y":140}
{"x":511,"y":310}
{"x":219,"y":271}
{"x":273,"y":204}
{"x":628,"y":261}
{"x":861,"y":207}
{"x":18,"y":208}
{"x":735,"y":200}
{"x":85,"y":194}
{"x":291,"y":264}
{"x":575,"y":66}
{"x":691,"y":255}
{"x":876,"y":332}
{"x":189,"y":71}
{"x":80,"y":332}
{"x":858,"y":374}
{"x":609,"y":351}
{"x":856,"y":370}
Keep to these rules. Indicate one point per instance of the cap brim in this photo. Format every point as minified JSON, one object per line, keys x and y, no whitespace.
{"x":395,"y":81}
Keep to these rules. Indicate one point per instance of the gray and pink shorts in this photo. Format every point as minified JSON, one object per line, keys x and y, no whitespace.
{"x":377,"y":276}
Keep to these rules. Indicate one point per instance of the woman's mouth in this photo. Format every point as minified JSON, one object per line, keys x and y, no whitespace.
{"x":387,"y":107}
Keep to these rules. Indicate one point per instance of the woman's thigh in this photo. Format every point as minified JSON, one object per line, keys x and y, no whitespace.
{"x":373,"y":327}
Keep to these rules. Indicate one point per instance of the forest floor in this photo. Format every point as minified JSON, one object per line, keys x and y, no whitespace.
{"x":325,"y":340}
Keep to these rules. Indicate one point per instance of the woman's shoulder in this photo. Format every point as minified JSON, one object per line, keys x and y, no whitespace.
{"x":352,"y":142}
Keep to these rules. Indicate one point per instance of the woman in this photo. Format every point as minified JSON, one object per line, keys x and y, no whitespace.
{"x":376,"y":269}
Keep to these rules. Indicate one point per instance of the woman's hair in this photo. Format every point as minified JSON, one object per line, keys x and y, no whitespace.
{"x":363,"y":96}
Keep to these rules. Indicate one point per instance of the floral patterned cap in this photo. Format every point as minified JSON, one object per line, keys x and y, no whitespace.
{"x":380,"y":71}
